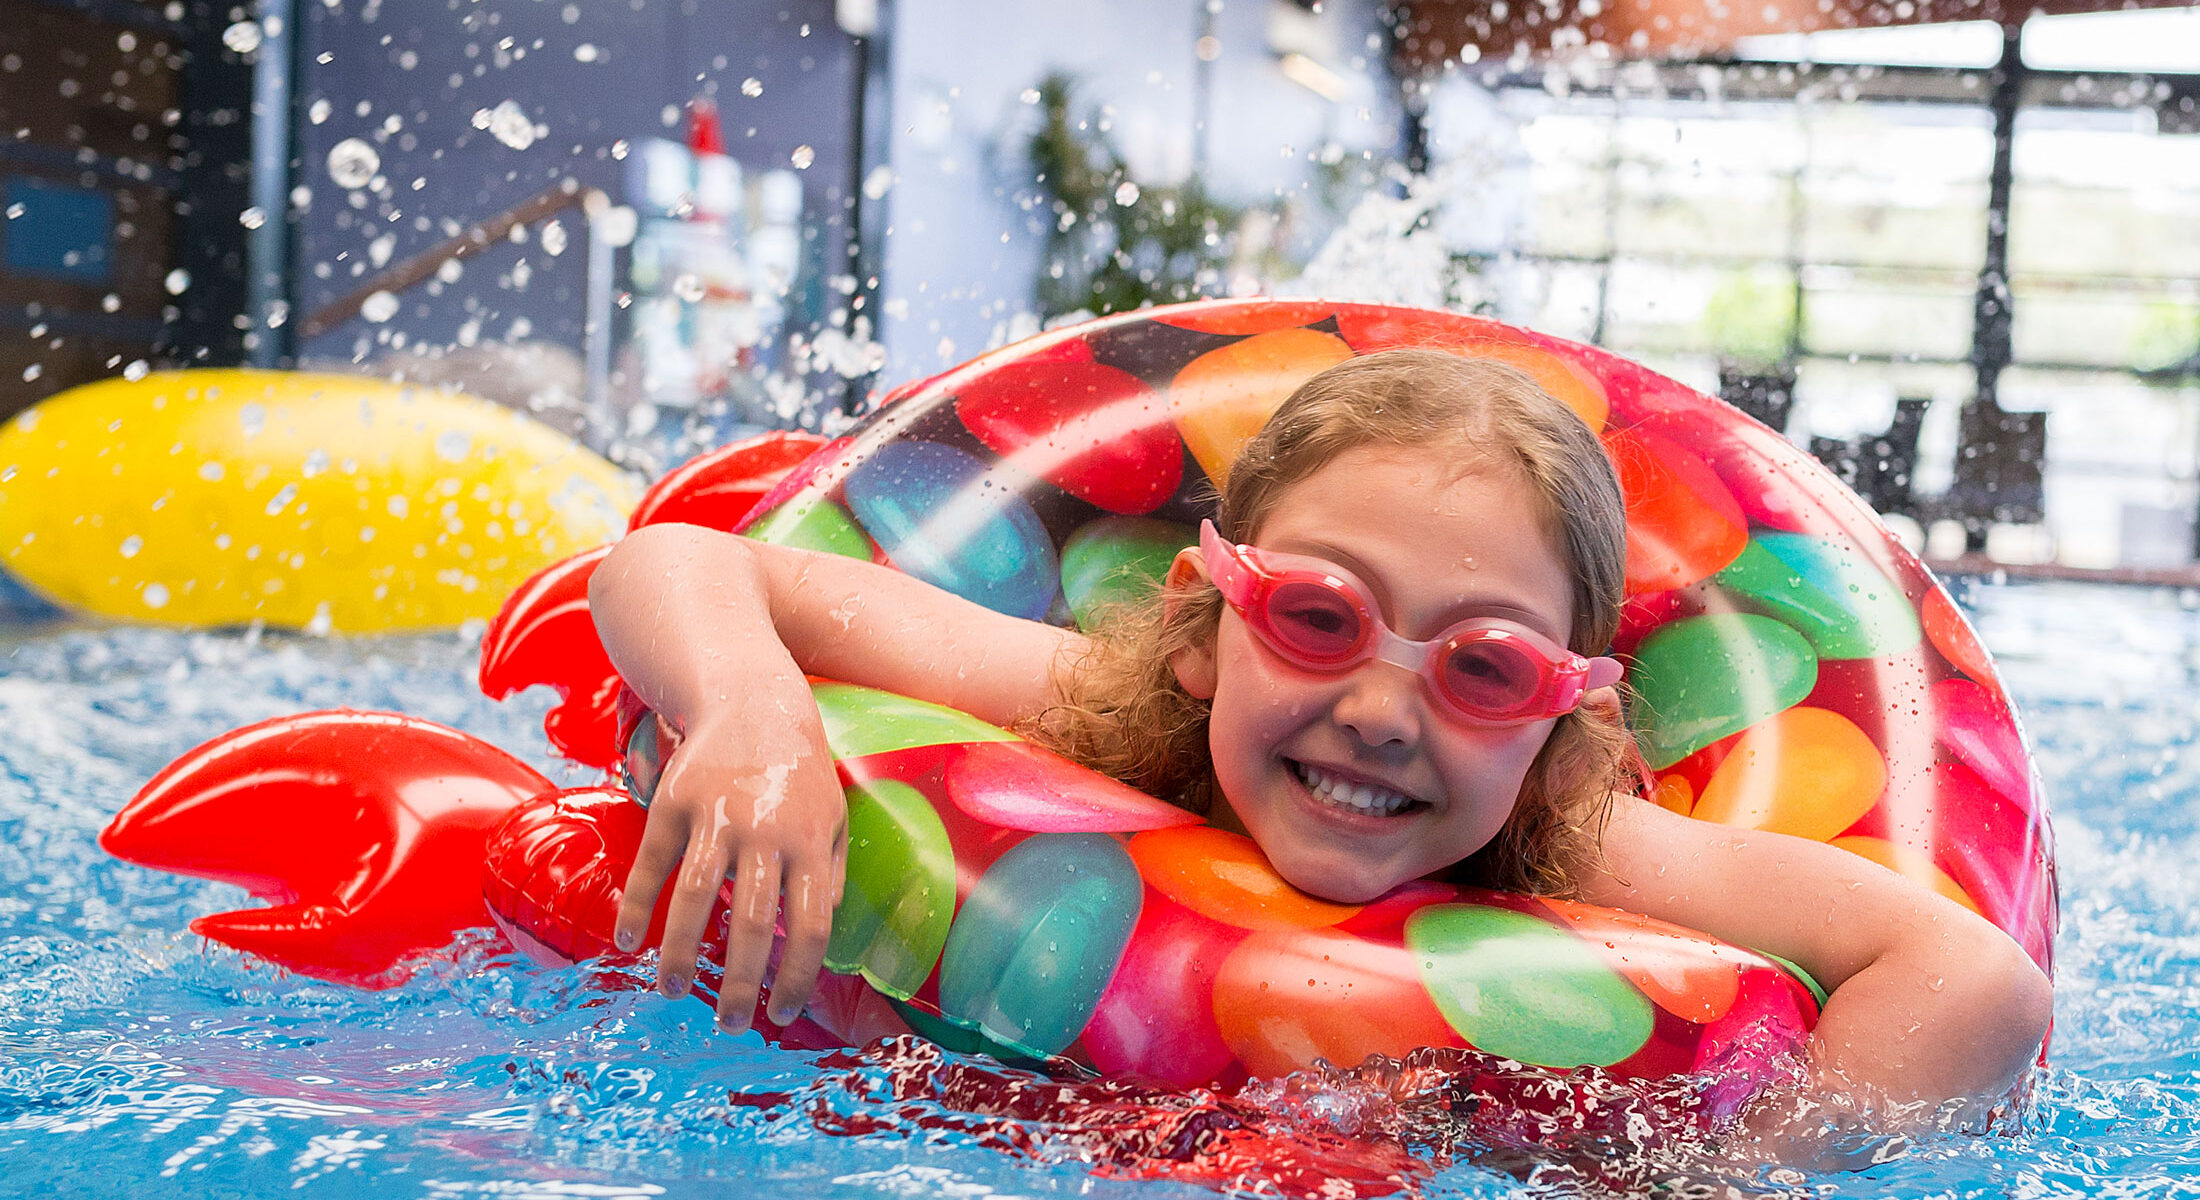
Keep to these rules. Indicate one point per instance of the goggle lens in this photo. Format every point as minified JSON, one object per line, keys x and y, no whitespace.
{"x":1317,"y":622}
{"x":1491,"y":677}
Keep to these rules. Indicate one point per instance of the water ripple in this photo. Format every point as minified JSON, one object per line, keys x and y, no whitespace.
{"x":132,"y":1051}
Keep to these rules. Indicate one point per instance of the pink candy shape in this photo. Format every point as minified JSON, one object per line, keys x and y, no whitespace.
{"x":1014,"y":785}
{"x":1157,"y":1017}
{"x":1976,"y":728}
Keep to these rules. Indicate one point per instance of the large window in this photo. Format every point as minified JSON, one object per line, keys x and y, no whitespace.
{"x":1829,"y":224}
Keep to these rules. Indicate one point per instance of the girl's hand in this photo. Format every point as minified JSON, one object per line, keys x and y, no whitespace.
{"x":751,"y":794}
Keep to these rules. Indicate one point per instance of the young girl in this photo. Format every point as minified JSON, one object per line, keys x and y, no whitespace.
{"x":1480,"y":527}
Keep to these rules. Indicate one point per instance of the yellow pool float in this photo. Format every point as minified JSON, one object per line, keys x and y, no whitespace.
{"x":220,"y":497}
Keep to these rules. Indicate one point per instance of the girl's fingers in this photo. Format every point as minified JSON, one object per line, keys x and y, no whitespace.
{"x":654,"y":863}
{"x":750,"y":920}
{"x":692,"y":900}
{"x":809,"y":916}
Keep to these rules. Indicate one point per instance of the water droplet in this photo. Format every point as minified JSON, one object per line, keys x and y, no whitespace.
{"x":507,"y":123}
{"x":688,"y":287}
{"x":802,"y":157}
{"x":379,"y":307}
{"x":155,"y":595}
{"x":752,"y":86}
{"x":553,"y":239}
{"x":243,"y":37}
{"x":1029,"y":95}
{"x":452,"y":444}
{"x":136,"y":370}
{"x":1126,"y":193}
{"x":211,"y":472}
{"x":131,"y":545}
{"x":177,"y":282}
{"x":352,"y":163}
{"x":32,"y":372}
{"x":585,"y":52}
{"x":318,"y":111}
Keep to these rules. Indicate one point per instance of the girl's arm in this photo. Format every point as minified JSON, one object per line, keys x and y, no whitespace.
{"x":715,"y":633}
{"x":1929,"y":1001}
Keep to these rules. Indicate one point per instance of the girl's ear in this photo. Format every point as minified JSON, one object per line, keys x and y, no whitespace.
{"x":1194,"y":664}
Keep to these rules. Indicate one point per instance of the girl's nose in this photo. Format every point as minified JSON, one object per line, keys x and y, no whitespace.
{"x":1382,"y":704}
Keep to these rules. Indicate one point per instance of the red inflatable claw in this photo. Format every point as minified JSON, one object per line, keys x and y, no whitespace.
{"x":363,"y":829}
{"x":544,"y":634}
{"x":718,"y":488}
{"x":556,"y":866}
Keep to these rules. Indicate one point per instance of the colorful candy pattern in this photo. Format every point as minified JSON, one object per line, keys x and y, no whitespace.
{"x":1006,"y":901}
{"x":1792,"y":665}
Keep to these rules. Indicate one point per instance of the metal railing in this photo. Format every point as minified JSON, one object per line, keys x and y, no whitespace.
{"x":478,"y":238}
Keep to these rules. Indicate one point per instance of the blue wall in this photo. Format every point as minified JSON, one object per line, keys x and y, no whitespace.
{"x":961,"y":249}
{"x":432,"y":64}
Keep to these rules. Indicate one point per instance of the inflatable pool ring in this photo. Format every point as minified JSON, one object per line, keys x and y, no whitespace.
{"x":1794,"y":667}
{"x":1008,"y":902}
{"x":1796,"y":670}
{"x":220,"y":497}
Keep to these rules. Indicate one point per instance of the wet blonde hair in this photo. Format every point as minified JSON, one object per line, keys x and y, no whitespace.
{"x":1125,"y":714}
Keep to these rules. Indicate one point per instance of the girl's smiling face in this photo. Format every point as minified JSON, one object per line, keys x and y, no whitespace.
{"x":1313,"y":766}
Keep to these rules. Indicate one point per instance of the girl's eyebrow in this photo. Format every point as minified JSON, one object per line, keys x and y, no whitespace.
{"x":1450,"y":615}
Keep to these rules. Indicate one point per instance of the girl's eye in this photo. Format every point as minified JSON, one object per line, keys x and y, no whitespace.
{"x":1314,"y":620}
{"x":1490,"y":676}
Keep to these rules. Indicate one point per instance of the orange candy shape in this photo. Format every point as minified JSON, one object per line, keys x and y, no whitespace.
{"x":1682,"y":523}
{"x":1223,"y":397}
{"x":1689,"y":974}
{"x":1807,"y":772}
{"x":1566,"y":381}
{"x":1284,"y":998}
{"x":1225,"y":876}
{"x":1574,"y":385}
{"x":1955,"y":639}
{"x":1674,"y":794}
{"x":1913,"y":865}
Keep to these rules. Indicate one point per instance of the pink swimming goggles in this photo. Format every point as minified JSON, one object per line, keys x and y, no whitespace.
{"x":1484,"y":671}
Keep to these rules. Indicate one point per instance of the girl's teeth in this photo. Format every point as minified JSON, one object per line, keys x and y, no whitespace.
{"x":1357,"y":797}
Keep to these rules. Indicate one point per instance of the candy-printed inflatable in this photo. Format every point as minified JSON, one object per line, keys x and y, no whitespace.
{"x":1008,"y":902}
{"x":1793,"y":668}
{"x":220,"y":496}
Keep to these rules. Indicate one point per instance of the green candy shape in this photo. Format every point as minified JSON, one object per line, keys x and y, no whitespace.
{"x":900,"y":899}
{"x":1118,"y":560}
{"x":1702,"y":678}
{"x":861,"y":721}
{"x":1039,"y":938}
{"x":815,"y":524}
{"x":1829,"y":593}
{"x":948,"y":1036}
{"x":1524,"y":989}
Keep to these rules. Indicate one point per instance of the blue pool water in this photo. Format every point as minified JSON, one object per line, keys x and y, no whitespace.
{"x":134,"y":1059}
